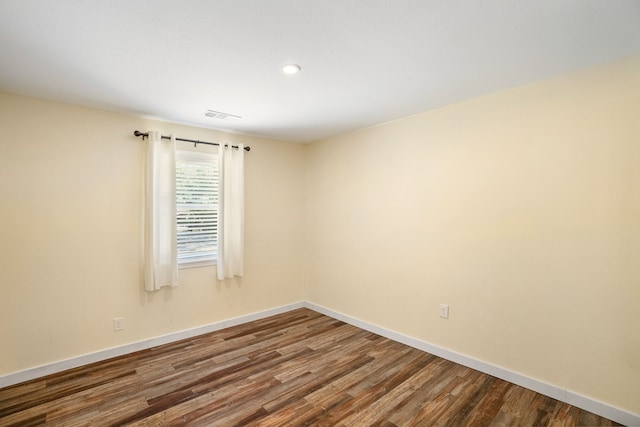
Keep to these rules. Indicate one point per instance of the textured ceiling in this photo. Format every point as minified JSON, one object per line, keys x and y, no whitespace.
{"x":363,"y":61}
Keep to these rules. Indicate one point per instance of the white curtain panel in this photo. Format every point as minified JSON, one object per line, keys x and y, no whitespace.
{"x":231,"y":216}
{"x":161,"y":256}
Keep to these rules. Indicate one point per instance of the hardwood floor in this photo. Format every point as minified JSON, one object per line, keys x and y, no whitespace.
{"x":300,"y":368}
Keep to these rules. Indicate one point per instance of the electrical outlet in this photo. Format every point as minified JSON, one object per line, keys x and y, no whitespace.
{"x":444,"y":311}
{"x":118,"y":323}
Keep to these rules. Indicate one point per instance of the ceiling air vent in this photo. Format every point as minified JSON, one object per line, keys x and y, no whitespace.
{"x":220,"y":115}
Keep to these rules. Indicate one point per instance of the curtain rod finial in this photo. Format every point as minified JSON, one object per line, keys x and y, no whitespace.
{"x":138,"y":133}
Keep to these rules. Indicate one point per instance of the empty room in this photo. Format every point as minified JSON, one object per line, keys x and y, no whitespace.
{"x":320,"y":212}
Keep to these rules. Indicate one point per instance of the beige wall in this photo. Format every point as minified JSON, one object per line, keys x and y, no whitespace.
{"x":70,"y":235}
{"x":520,"y":209}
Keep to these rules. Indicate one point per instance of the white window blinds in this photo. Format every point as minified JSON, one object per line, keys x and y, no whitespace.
{"x":197,"y":207}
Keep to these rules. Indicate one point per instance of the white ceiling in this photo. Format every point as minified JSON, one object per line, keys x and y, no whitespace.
{"x":363,"y":61}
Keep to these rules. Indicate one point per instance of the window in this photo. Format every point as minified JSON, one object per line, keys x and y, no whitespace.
{"x":197,"y":207}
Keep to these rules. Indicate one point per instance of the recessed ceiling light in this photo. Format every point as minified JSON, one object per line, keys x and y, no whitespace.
{"x":291,"y":69}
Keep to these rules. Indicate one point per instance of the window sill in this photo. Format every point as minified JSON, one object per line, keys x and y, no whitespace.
{"x":194,"y":264}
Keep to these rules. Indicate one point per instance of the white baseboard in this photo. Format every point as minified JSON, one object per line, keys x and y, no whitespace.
{"x":63,"y":365}
{"x":616,"y":414}
{"x":567,"y":396}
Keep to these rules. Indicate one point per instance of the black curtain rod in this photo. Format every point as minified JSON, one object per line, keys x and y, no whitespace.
{"x":195,"y":142}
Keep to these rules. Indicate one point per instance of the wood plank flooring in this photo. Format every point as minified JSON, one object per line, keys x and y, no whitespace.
{"x":300,"y":368}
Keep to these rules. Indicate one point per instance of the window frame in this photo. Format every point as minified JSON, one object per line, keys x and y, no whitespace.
{"x":197,"y":157}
